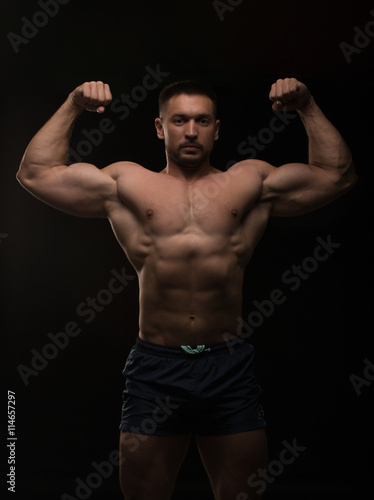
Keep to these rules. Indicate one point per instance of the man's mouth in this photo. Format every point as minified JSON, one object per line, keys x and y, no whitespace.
{"x":191,"y":147}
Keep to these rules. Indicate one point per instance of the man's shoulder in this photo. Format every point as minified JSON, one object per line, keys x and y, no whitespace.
{"x":124,"y":168}
{"x":251,"y":168}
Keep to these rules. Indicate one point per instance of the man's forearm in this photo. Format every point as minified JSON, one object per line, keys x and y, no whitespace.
{"x":327,"y":148}
{"x":49,"y":146}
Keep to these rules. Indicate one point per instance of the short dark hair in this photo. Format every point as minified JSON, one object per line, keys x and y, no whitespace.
{"x":188,"y":87}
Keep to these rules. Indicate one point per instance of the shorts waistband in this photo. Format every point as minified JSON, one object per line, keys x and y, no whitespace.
{"x":186,"y":351}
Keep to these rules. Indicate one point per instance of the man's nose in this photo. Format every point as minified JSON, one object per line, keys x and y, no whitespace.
{"x":191,"y":130}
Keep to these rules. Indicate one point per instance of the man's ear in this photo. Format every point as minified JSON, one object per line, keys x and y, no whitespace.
{"x":218,"y":124}
{"x":159,"y":128}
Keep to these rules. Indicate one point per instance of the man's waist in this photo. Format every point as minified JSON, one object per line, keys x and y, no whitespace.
{"x":181,"y":351}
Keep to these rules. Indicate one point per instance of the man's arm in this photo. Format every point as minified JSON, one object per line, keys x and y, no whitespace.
{"x":295,"y":188}
{"x":79,"y":189}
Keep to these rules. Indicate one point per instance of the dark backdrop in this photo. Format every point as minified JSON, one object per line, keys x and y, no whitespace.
{"x":314,"y":354}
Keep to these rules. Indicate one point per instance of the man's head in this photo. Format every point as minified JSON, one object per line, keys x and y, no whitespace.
{"x":188,"y":87}
{"x":188,"y":123}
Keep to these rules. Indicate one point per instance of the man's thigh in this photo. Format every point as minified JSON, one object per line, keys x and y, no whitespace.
{"x":232,"y":463}
{"x":150,"y":464}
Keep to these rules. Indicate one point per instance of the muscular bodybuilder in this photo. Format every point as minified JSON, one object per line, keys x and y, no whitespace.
{"x":189,"y":231}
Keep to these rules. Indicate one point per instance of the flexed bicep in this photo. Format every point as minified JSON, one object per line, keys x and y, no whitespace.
{"x":298,"y":188}
{"x":80,"y":189}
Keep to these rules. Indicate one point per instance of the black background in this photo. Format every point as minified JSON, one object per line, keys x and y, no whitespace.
{"x":307,"y":349}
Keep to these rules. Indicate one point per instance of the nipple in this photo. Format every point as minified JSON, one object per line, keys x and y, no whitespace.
{"x":234,"y":212}
{"x":149,"y":213}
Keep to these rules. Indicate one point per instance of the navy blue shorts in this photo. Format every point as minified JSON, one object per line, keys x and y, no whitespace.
{"x":169,"y":391}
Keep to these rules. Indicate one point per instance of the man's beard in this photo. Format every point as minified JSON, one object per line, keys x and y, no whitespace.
{"x":184,"y":159}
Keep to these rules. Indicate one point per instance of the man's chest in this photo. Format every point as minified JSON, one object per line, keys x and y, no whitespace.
{"x":216,"y":204}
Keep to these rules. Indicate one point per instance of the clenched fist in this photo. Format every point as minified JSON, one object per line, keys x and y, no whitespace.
{"x":92,"y":96}
{"x":289,"y":94}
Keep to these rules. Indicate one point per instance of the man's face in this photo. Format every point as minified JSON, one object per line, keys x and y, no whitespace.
{"x":189,"y":128}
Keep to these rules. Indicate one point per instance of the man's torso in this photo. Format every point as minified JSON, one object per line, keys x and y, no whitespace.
{"x":189,"y":243}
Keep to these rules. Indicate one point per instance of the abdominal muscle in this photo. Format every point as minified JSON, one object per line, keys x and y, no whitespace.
{"x":189,"y":297}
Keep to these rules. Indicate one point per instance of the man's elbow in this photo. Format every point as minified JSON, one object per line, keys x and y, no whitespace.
{"x":351,"y":176}
{"x":27,"y":174}
{"x":348,"y":179}
{"x":23,"y":174}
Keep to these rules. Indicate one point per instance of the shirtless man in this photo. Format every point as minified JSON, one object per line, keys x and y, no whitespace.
{"x":189,"y":231}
